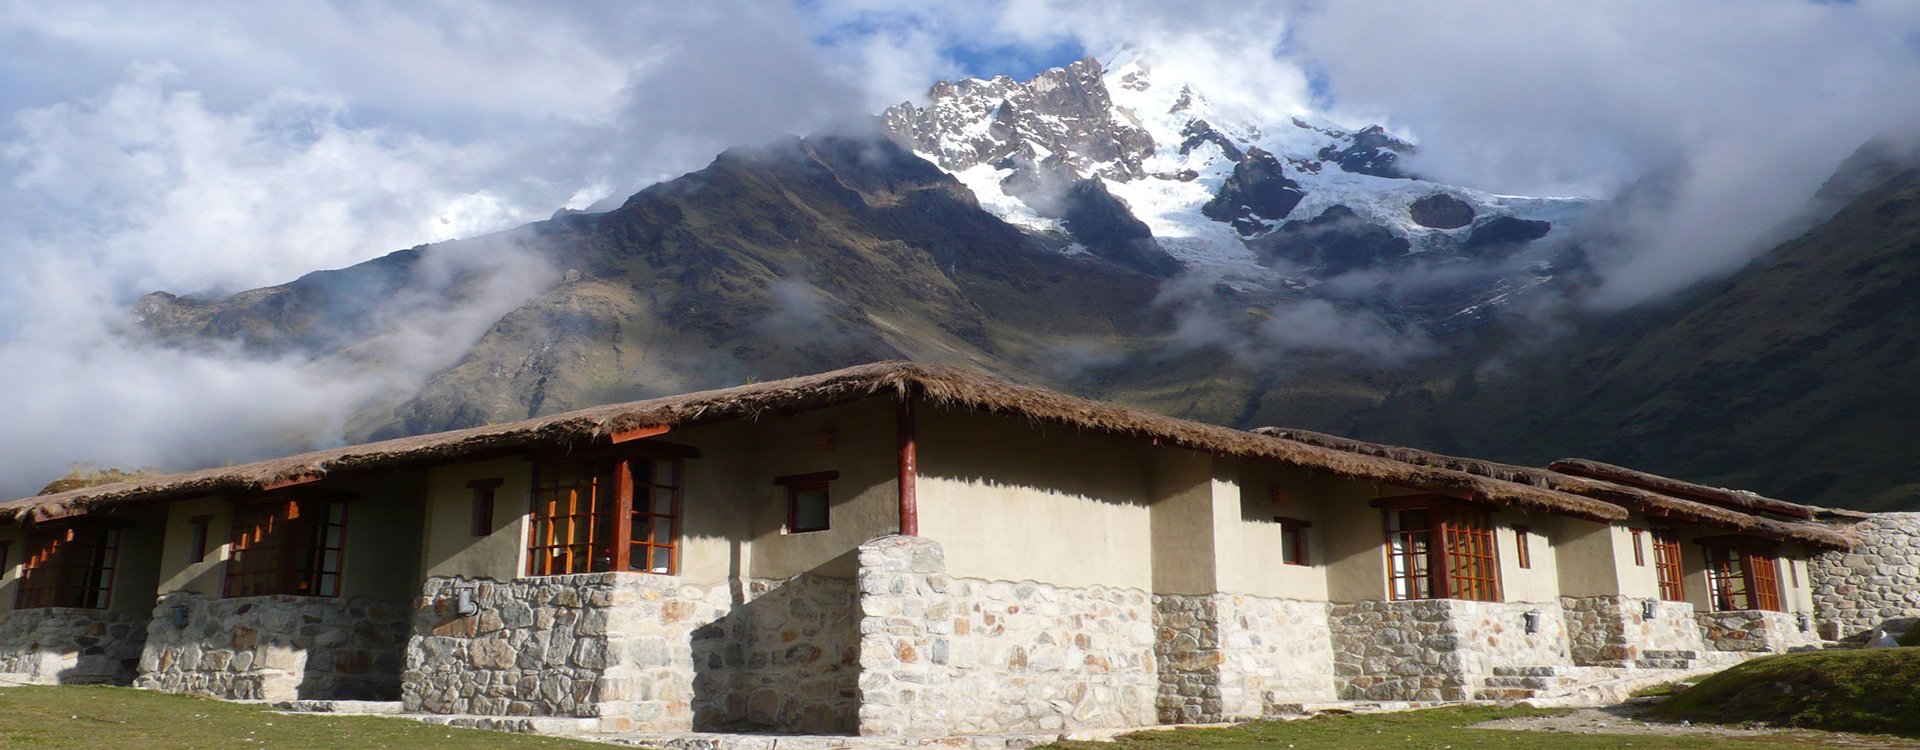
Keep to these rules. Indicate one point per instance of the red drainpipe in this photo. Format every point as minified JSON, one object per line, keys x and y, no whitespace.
{"x":909,"y":470}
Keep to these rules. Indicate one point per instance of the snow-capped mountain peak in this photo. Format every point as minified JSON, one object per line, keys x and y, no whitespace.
{"x":1214,"y":189}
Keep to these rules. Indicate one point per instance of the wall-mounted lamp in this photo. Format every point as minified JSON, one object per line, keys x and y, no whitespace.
{"x":1649,"y":610}
{"x":1806,"y":622}
{"x":463,"y":603}
{"x":179,"y":616}
{"x":1532,"y":619}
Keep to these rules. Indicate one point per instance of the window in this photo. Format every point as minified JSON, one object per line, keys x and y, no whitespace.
{"x":482,"y":523}
{"x":285,"y":546}
{"x":1522,"y":554}
{"x":604,"y":514}
{"x":69,"y":566}
{"x":6,"y":547}
{"x":807,"y":500}
{"x":1666,"y":565}
{"x":1742,"y":577}
{"x":201,"y":526}
{"x":1293,"y":541}
{"x":1639,"y":551}
{"x":1437,"y":551}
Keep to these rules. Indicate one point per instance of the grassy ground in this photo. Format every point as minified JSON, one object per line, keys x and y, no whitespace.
{"x":103,"y":718}
{"x":1873,"y":690}
{"x":1436,"y":729}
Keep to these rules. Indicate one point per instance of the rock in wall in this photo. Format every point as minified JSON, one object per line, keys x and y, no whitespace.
{"x":64,"y":646}
{"x":1878,"y":580}
{"x":275,"y":648}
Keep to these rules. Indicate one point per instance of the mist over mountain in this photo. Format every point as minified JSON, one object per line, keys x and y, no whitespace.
{"x":1255,"y":213}
{"x":1101,"y":231}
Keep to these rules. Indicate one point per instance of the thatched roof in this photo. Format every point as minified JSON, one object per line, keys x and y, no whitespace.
{"x":935,"y":384}
{"x":1635,"y":498}
{"x":1742,"y":500}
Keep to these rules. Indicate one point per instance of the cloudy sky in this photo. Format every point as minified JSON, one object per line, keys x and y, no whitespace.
{"x":217,"y":146}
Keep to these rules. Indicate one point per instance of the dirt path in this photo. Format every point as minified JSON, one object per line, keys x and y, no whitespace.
{"x":1622,"y":720}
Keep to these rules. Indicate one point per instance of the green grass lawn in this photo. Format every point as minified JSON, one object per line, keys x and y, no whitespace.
{"x":104,"y":718}
{"x":1870,"y":690}
{"x":1435,"y":729}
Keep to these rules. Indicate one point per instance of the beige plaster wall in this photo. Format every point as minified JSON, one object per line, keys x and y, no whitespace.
{"x":1249,"y":546}
{"x":1587,"y":558}
{"x":1541,"y":581}
{"x":1010,"y":500}
{"x":16,"y":540}
{"x":1353,"y":537}
{"x":1181,"y":522}
{"x":863,"y":503}
{"x":178,"y":570}
{"x":137,"y":574}
{"x":450,"y":548}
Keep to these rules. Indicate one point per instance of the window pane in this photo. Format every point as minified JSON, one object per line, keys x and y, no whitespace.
{"x":663,"y":501}
{"x":642,"y":472}
{"x":663,"y":473}
{"x":810,"y":509}
{"x":663,"y":532}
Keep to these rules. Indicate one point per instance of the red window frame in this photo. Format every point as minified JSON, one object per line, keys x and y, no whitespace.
{"x":1667,"y":567}
{"x":1522,"y":552}
{"x":1293,"y":540}
{"x":1639,"y":549}
{"x":606,"y":512}
{"x":1440,"y":548}
{"x":796,"y":486}
{"x":69,"y":564}
{"x":1742,"y":575}
{"x":287,"y":546}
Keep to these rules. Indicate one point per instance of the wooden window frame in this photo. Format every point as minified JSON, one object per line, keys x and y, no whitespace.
{"x":795,"y":484}
{"x":481,"y":520}
{"x":1639,"y":547}
{"x":1460,"y":550}
{"x":70,"y":564}
{"x":1294,"y":530}
{"x":604,"y":479}
{"x":280,"y":544}
{"x":1668,"y":568}
{"x":1522,"y":549}
{"x":202,"y":534}
{"x":1751,"y":565}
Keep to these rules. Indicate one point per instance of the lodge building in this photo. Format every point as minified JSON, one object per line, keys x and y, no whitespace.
{"x":899,"y":549}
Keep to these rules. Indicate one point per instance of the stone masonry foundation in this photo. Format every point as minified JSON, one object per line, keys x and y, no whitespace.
{"x":1854,"y":592}
{"x":1230,"y":656}
{"x":274,"y":648}
{"x":1614,"y":631}
{"x":942,"y":655}
{"x":61,"y":645}
{"x":1757,"y":631}
{"x":641,"y":652}
{"x":1439,"y":649}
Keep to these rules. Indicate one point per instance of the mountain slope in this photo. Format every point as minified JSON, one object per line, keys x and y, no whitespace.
{"x":1798,"y":377}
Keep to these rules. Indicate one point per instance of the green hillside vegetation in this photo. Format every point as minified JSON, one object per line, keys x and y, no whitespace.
{"x":106,"y":718}
{"x":1869,"y":690}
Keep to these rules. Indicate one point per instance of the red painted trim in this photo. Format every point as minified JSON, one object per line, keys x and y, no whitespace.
{"x":909,"y":471}
{"x":639,"y":433}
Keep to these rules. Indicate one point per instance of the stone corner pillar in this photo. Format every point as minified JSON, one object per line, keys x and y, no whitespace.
{"x":902,"y":686}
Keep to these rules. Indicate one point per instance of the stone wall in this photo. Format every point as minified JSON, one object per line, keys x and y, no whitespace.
{"x":641,"y":652}
{"x":786,"y":659}
{"x":1854,"y":592}
{"x":60,"y":645}
{"x":1233,"y":656}
{"x":940,"y":655}
{"x":1755,"y":630}
{"x":274,"y":647}
{"x":1614,"y":631}
{"x":1438,"y":649}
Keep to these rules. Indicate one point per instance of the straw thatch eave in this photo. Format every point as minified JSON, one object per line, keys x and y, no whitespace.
{"x":936,"y":385}
{"x":1638,"y":499}
{"x":1727,"y":498}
